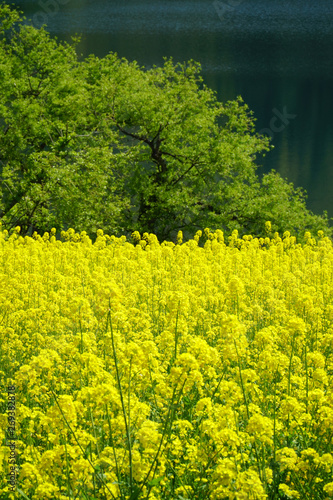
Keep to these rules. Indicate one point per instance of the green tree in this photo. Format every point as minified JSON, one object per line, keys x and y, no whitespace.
{"x":103,"y":143}
{"x":56,"y":168}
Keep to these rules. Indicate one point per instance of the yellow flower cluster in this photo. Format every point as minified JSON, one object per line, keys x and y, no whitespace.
{"x":163,"y":371}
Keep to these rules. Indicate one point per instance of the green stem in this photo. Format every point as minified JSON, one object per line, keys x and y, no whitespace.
{"x":113,"y":448}
{"x":166,"y":430}
{"x":77,"y":442}
{"x":122,"y":400}
{"x":176,"y":333}
{"x":247,"y":409}
{"x":67,"y":472}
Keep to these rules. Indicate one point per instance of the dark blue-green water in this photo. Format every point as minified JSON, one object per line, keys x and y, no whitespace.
{"x":276,"y":54}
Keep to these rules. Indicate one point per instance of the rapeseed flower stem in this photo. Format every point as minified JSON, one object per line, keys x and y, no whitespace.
{"x":126,"y":420}
{"x":77,"y":442}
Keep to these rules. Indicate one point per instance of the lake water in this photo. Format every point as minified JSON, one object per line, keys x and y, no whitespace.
{"x":276,"y":54}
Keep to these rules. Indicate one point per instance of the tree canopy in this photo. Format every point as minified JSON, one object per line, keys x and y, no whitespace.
{"x":102,"y":143}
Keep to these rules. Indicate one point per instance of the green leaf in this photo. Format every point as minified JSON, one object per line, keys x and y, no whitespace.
{"x":135,"y":494}
{"x":22,"y":493}
{"x":155,"y":482}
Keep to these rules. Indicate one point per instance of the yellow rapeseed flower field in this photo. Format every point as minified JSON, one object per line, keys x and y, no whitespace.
{"x":160,"y":371}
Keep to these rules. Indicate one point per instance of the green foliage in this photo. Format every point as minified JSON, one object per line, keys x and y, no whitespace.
{"x":103,"y":143}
